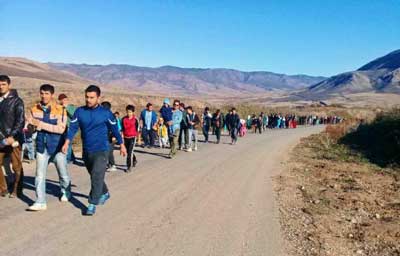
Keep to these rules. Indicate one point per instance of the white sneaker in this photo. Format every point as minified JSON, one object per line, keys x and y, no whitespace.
{"x":64,"y":198}
{"x":189,"y":150}
{"x":112,"y":169}
{"x":195,"y":148}
{"x":37,"y":207}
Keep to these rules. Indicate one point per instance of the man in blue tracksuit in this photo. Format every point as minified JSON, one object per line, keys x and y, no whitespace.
{"x":95,"y":123}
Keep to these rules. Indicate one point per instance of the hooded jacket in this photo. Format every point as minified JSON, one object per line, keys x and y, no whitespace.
{"x":166,"y":113}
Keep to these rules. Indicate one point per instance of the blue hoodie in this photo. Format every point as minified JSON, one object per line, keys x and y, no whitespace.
{"x":166,"y":113}
{"x":95,"y":124}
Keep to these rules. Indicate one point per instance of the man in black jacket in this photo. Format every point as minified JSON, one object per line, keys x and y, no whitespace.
{"x":12,"y":120}
{"x":234,"y":124}
{"x":218,"y":124}
{"x":184,"y":131}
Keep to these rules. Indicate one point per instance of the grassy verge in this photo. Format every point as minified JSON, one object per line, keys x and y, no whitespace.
{"x":337,"y":198}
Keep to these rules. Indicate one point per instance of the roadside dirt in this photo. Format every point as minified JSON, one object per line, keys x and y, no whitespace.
{"x":216,"y":201}
{"x":334,"y":202}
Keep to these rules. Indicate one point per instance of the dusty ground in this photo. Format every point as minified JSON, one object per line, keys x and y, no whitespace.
{"x":217,"y":201}
{"x":334,"y":202}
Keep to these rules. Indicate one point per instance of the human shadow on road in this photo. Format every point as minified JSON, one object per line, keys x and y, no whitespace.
{"x":152,"y":153}
{"x":53,"y":189}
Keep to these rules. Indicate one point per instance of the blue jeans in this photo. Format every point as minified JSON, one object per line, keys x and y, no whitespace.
{"x":193,"y":135}
{"x":206,"y":130}
{"x":70,"y":154}
{"x":31,"y":151}
{"x":234,"y":134}
{"x":42,"y":162}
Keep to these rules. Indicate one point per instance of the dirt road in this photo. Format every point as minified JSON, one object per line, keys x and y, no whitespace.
{"x":217,"y":201}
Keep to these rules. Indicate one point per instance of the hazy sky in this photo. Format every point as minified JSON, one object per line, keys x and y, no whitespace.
{"x":287,"y":36}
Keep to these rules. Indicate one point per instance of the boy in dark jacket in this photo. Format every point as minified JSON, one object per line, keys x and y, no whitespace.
{"x":234,"y":124}
{"x":206,"y":123}
{"x":184,"y":132}
{"x":218,"y":124}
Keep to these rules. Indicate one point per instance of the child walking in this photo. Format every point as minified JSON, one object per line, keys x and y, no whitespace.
{"x":129,"y":129}
{"x":162,"y":133}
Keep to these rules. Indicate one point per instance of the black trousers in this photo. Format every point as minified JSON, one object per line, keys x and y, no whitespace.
{"x":206,"y":130}
{"x":130,"y":146}
{"x":96,"y":164}
{"x":111,"y":159}
{"x":218,"y":134}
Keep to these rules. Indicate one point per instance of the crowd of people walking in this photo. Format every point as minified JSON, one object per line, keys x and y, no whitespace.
{"x":46,"y":132}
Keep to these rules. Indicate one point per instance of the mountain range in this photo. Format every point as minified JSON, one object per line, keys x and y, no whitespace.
{"x":381,"y":75}
{"x":188,"y":81}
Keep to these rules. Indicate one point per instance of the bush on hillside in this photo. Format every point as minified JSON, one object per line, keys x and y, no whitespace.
{"x":379,"y":140}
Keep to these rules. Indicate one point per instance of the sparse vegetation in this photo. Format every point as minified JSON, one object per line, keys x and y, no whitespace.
{"x":338,"y":199}
{"x":379,"y":140}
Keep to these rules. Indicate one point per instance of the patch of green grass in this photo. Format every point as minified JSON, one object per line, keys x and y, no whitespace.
{"x":379,"y":141}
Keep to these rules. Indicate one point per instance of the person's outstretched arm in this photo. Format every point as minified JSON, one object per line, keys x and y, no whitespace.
{"x":72,"y":130}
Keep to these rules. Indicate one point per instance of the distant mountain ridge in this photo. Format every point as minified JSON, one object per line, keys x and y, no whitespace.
{"x":390,"y":61}
{"x":188,"y":81}
{"x":21,"y":67}
{"x":379,"y":75}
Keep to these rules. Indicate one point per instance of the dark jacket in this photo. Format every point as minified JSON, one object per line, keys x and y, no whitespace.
{"x":234,"y":122}
{"x":206,"y":119}
{"x":12,"y":116}
{"x":166,"y":113}
{"x":184,"y":123}
{"x":193,"y":118}
{"x":218,"y":121}
{"x":227,"y":118}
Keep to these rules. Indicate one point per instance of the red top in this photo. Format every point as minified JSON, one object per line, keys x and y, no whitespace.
{"x":129,"y":127}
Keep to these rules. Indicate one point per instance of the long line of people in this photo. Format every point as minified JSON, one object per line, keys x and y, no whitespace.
{"x":47,"y":132}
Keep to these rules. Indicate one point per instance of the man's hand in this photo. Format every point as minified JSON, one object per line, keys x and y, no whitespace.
{"x":65,"y":147}
{"x":10,"y":140}
{"x":123,"y":150}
